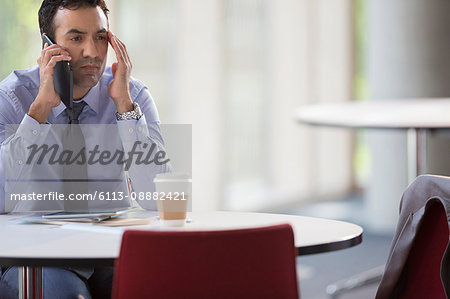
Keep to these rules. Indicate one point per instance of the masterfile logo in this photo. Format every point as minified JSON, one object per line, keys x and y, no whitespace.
{"x":58,"y":155}
{"x":109,"y":164}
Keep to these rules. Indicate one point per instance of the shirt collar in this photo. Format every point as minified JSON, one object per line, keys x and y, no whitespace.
{"x":92,"y":99}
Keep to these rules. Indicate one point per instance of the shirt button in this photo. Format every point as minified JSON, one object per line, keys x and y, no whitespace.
{"x":130,"y":130}
{"x":35,"y":132}
{"x":20,"y":162}
{"x":140,"y":129}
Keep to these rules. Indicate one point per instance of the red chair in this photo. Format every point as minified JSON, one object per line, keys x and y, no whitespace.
{"x":421,"y":276}
{"x":417,"y":266}
{"x":419,"y":263}
{"x":246,"y":263}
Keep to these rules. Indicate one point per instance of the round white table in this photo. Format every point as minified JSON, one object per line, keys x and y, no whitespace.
{"x":417,"y":116}
{"x":33,"y":246}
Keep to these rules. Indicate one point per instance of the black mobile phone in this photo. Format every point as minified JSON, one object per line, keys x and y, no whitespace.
{"x":62,"y":77}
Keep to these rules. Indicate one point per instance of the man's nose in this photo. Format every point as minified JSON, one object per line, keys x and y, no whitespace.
{"x":90,"y":49}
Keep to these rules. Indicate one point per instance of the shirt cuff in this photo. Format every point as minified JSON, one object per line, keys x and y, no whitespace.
{"x":31,"y":130}
{"x":133,"y":130}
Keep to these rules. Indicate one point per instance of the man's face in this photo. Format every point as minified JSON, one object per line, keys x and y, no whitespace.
{"x":83,"y":32}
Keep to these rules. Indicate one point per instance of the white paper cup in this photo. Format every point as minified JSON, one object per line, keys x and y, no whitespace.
{"x":174,"y":192}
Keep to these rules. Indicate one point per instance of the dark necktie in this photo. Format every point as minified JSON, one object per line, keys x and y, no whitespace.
{"x":75,"y":112}
{"x":75,"y":174}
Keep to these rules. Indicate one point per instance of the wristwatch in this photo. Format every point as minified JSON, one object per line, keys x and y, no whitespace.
{"x":134,"y":114}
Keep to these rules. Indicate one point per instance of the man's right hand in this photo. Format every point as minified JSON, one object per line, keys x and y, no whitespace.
{"x":47,"y":97}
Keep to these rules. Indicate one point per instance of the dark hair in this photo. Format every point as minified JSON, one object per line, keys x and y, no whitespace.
{"x":49,"y":7}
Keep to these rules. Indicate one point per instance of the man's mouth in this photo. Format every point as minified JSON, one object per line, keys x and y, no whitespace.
{"x":90,"y":66}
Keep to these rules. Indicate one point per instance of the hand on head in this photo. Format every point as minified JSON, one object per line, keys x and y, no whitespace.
{"x":119,"y":88}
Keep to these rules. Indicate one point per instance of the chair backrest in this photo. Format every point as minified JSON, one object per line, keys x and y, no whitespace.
{"x":246,"y":263}
{"x":422,"y":272}
{"x":416,"y":262}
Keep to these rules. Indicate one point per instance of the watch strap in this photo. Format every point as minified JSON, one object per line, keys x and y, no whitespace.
{"x":134,"y":114}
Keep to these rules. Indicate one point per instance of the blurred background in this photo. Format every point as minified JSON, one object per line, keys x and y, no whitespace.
{"x":237,"y":70}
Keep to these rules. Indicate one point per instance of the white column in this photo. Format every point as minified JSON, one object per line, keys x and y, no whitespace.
{"x":197,"y":75}
{"x":308,"y":48}
{"x":407,"y":56}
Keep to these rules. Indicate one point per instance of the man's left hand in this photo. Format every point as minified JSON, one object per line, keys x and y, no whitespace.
{"x":119,"y":88}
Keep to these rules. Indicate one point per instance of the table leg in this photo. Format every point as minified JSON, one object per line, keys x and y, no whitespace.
{"x":22,"y":283}
{"x":417,"y":152}
{"x":421,"y":151}
{"x":30,"y":283}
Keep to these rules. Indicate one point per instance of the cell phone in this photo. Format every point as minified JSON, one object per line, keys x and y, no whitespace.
{"x":62,"y":77}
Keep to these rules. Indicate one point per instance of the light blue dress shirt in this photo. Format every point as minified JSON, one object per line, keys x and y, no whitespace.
{"x":18,"y":91}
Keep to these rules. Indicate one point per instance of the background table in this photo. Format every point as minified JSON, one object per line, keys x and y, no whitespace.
{"x":417,"y":116}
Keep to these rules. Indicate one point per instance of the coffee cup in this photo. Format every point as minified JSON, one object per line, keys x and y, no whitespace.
{"x":174,"y":193}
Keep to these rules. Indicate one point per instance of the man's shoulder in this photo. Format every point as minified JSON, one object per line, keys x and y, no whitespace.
{"x":26,"y":78}
{"x":136,"y":86}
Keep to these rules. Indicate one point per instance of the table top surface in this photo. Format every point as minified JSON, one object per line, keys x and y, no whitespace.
{"x":88,"y":245}
{"x":432,"y":113}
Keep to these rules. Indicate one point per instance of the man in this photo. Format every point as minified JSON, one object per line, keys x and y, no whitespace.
{"x":103,"y":95}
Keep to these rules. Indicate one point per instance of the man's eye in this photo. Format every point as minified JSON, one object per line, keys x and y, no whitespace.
{"x":101,"y":37}
{"x":75,"y":39}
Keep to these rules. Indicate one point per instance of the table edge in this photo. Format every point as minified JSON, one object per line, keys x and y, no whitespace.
{"x":105,"y":262}
{"x":56,"y":262}
{"x":329,"y":247}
